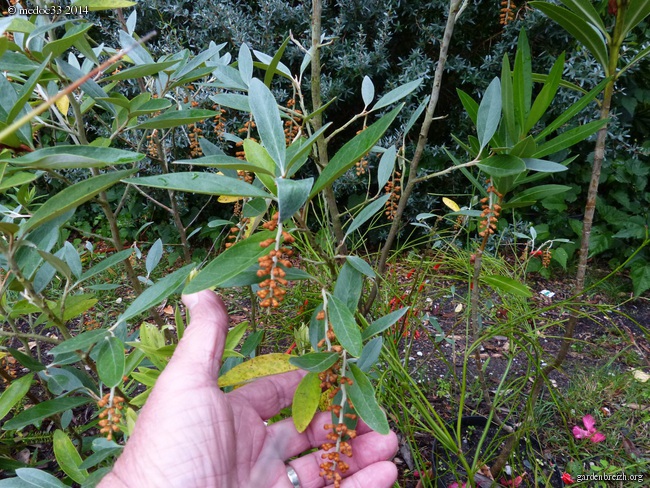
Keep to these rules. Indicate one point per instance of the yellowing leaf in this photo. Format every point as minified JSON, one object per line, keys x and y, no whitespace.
{"x":63,"y":104}
{"x":451,"y":204}
{"x":640,"y":375}
{"x":305,"y":401}
{"x":259,"y":366}
{"x":227,"y":199}
{"x":459,"y":308}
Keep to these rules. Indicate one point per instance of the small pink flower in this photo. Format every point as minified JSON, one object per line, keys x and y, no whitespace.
{"x":513,"y":482}
{"x":590,"y":433}
{"x":567,"y":479}
{"x":456,"y":485}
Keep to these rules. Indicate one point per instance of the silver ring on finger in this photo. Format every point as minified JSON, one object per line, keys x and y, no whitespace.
{"x":293,"y":477}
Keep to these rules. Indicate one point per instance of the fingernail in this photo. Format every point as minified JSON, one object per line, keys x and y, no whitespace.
{"x":191,"y":301}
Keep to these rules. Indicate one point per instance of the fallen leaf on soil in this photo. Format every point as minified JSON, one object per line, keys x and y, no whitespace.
{"x":485,"y":471}
{"x":640,"y":375}
{"x":630,"y":448}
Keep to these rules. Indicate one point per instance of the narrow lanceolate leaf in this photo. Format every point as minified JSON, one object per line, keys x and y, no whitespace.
{"x":197,"y":182}
{"x":386,"y":166}
{"x":365,"y":404}
{"x":107,"y":263}
{"x":257,"y":367}
{"x":586,"y":10}
{"x":569,"y":138}
{"x":32,"y":477}
{"x":501,"y":165}
{"x":361,"y":266}
{"x":367,"y":213}
{"x":353,"y":150}
{"x":153,"y":256}
{"x":397,"y":94}
{"x":230,"y":263}
{"x":349,"y":286}
{"x":370,"y":354}
{"x":110,"y":361}
{"x":489,"y":113}
{"x":222,"y":161}
{"x":292,"y":195}
{"x":67,"y":457}
{"x":315,"y":362}
{"x":531,"y":195}
{"x":367,"y":91}
{"x":175,"y":118}
{"x":155,"y":294}
{"x":269,"y":125}
{"x":546,"y":95}
{"x":14,"y":393}
{"x":508,"y":285}
{"x":43,"y":410}
{"x":73,"y":196}
{"x":345,"y":327}
{"x":305,"y":401}
{"x":245,"y":63}
{"x":80,"y":342}
{"x":383,"y":323}
{"x":636,"y":12}
{"x":533,"y":164}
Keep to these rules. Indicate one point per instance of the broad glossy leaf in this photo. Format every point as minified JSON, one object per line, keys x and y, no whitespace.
{"x":18,"y":179}
{"x":361,"y":265}
{"x":561,"y":256}
{"x":67,"y":457}
{"x":230,"y":263}
{"x":640,"y":278}
{"x":292,"y":195}
{"x":305,"y":401}
{"x":383,"y":323}
{"x":544,"y":166}
{"x":586,"y":10}
{"x":489,"y":113}
{"x":386,"y":166}
{"x":79,"y":342}
{"x":156,"y":293}
{"x":198,"y":182}
{"x":345,"y":327}
{"x":501,"y":165}
{"x":397,"y":94}
{"x":175,"y":118}
{"x":259,"y":156}
{"x":235,"y":335}
{"x":365,"y":404}
{"x":269,"y":125}
{"x":14,"y":393}
{"x":508,"y":285}
{"x":353,"y":150}
{"x":43,"y":410}
{"x":73,"y":196}
{"x":367,"y":91}
{"x":569,"y":138}
{"x":370,"y":354}
{"x":257,"y":367}
{"x":110,"y":361}
{"x":315,"y":362}
{"x":367,"y":213}
{"x":636,"y":12}
{"x":349,"y":286}
{"x":579,"y":28}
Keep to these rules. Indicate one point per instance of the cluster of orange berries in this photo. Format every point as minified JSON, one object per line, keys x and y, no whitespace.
{"x":291,"y":126}
{"x":110,"y":416}
{"x":195,"y":146}
{"x":272,"y":290}
{"x":9,"y":365}
{"x":546,"y":257}
{"x":507,"y":12}
{"x":152,"y":144}
{"x":361,"y":166}
{"x":394,"y":189}
{"x":332,"y":467}
{"x":490,"y":213}
{"x":219,"y":122}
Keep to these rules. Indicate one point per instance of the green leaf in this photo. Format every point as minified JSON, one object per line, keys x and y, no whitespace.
{"x":14,"y":393}
{"x":315,"y":362}
{"x":80,"y":342}
{"x":67,"y":457}
{"x":522,"y":85}
{"x":232,"y":100}
{"x":386,"y":166}
{"x":273,"y":64}
{"x":345,"y":327}
{"x":257,"y":367}
{"x":305,"y":401}
{"x":292,"y":195}
{"x":640,"y":278}
{"x":153,"y":256}
{"x":569,"y":138}
{"x":269,"y":125}
{"x":383,"y":323}
{"x":508,"y":285}
{"x":508,"y":102}
{"x":260,"y":157}
{"x":175,"y":118}
{"x":367,"y":91}
{"x":298,"y":158}
{"x":38,"y":478}
{"x":57,"y":263}
{"x":397,"y":94}
{"x":586,"y":10}
{"x":35,"y":414}
{"x":18,"y":179}
{"x":95,"y":5}
{"x":155,"y":294}
{"x":245,"y":63}
{"x":353,"y":150}
{"x":546,"y":95}
{"x":73,"y":196}
{"x":582,"y":30}
{"x":370,"y":354}
{"x":229,"y":263}
{"x":235,"y":335}
{"x":533,"y":164}
{"x":531,"y":195}
{"x":71,"y":257}
{"x":26,"y":360}
{"x":105,"y":264}
{"x":223,"y":161}
{"x":110,"y":361}
{"x":57,"y":47}
{"x":561,"y":256}
{"x":360,"y":265}
{"x":155,"y":105}
{"x":349,"y":286}
{"x":365,"y":404}
{"x":25,"y":93}
{"x":141,"y":70}
{"x":489,"y":113}
{"x":501,"y":165}
{"x":636,"y":12}
{"x":367,"y":213}
{"x":199,"y":182}
{"x":137,"y":52}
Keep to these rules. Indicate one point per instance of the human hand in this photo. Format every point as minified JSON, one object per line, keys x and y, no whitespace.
{"x":191,"y":434}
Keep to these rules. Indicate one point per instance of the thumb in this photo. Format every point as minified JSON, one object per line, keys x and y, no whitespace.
{"x":202,"y":344}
